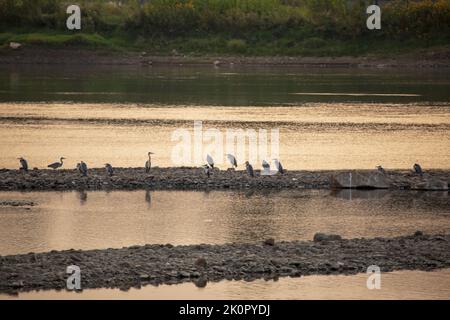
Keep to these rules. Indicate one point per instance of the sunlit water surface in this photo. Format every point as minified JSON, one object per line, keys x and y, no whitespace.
{"x":394,"y":285}
{"x":96,"y":220}
{"x":326,"y":118}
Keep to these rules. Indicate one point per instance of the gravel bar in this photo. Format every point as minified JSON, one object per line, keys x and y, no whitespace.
{"x":167,"y":264}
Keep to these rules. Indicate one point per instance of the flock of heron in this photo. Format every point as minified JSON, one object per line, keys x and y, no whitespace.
{"x":208,"y":167}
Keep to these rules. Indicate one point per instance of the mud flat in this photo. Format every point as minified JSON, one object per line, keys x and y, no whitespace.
{"x":195,"y":179}
{"x":166,"y":264}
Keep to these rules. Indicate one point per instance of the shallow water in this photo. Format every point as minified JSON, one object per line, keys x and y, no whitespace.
{"x":327,"y":118}
{"x":96,"y":220}
{"x":224,"y":86}
{"x":394,"y":285}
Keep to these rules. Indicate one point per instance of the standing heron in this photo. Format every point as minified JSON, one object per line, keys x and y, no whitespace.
{"x":207,"y":170}
{"x":381,"y":169}
{"x":82,"y":167}
{"x":57,"y":165}
{"x":249,"y":168}
{"x":417,"y":168}
{"x":148,"y":163}
{"x":266,"y":167}
{"x":232,"y":160}
{"x":23,"y":164}
{"x":278,"y":166}
{"x":210,"y":161}
{"x":109,"y":169}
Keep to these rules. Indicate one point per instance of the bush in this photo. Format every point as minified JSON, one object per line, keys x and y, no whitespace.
{"x":314,"y":43}
{"x":237,"y":45}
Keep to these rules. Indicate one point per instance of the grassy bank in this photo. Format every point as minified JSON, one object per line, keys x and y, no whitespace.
{"x":245,"y":27}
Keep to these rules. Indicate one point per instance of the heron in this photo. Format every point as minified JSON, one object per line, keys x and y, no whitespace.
{"x":23,"y":164}
{"x":232,"y":160}
{"x":148,"y":163}
{"x":82,"y":168}
{"x":57,"y":165}
{"x":249,"y":168}
{"x":278,"y":166}
{"x":266,"y":167}
{"x":417,"y":168}
{"x":381,"y":169}
{"x":109,"y":169}
{"x":207,"y":170}
{"x":210,"y":161}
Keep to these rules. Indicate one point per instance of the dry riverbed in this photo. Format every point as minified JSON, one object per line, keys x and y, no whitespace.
{"x":167,"y":264}
{"x":195,"y":179}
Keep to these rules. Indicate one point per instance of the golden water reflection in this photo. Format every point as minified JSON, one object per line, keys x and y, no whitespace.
{"x":395,"y":285}
{"x":98,"y":220}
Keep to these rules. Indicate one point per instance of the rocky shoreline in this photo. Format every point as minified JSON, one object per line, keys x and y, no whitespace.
{"x":184,"y":178}
{"x":167,"y":264}
{"x":76,"y":56}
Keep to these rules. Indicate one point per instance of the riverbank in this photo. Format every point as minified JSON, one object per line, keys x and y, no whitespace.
{"x":184,"y":178}
{"x":167,"y":264}
{"x":41,"y":55}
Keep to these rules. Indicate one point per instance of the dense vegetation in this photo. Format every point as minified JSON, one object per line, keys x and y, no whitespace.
{"x":252,"y":27}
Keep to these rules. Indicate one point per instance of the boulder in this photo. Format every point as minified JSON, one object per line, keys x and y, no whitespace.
{"x":318,"y":237}
{"x":431,"y":184}
{"x":201,"y":263}
{"x":360,"y":180}
{"x":269,"y":242}
{"x":418,"y":233}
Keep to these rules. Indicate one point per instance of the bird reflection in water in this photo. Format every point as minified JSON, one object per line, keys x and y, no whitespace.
{"x":148,"y":198}
{"x":82,"y":195}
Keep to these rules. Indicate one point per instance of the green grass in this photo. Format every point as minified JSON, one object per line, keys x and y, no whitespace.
{"x":230,"y":27}
{"x":221,"y":44}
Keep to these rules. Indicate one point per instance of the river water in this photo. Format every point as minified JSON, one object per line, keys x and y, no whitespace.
{"x":100,"y":220}
{"x":325,"y":119}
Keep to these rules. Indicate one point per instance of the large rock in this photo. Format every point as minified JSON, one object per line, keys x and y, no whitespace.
{"x":319,"y":237}
{"x":431,"y":184}
{"x":360,"y":180}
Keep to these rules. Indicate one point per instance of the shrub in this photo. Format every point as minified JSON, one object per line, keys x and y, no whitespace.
{"x":237,"y":45}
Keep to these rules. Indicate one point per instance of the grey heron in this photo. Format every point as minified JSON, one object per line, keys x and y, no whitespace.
{"x":57,"y":165}
{"x":210,"y":161}
{"x":249,"y":168}
{"x":83,"y":168}
{"x":148,"y":163}
{"x":109,"y":169}
{"x":278,"y":166}
{"x":207,"y":170}
{"x":381,"y":169}
{"x":23,"y":164}
{"x":417,"y":168}
{"x":266,"y":167}
{"x":232,"y":160}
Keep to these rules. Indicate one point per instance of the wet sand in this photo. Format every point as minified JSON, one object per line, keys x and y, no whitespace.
{"x":184,"y":178}
{"x":167,"y":264}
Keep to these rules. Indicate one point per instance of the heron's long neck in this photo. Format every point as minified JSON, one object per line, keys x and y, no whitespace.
{"x":61,"y":160}
{"x":149,"y":158}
